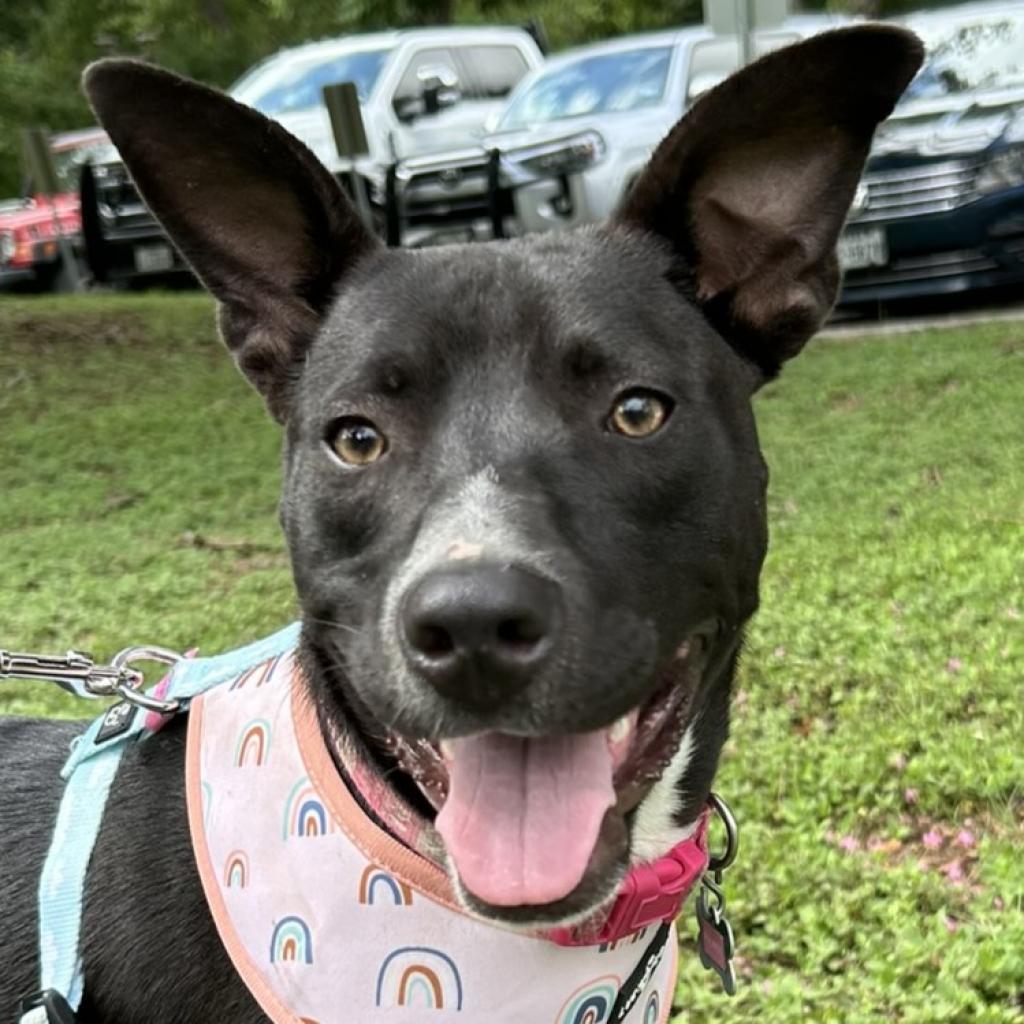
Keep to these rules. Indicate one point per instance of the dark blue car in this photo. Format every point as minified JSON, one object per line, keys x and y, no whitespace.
{"x":940,"y":208}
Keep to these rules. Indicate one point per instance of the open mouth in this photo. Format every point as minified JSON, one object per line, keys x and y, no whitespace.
{"x":538,"y":822}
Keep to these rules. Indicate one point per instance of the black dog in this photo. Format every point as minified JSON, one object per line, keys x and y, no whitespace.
{"x":523,"y":492}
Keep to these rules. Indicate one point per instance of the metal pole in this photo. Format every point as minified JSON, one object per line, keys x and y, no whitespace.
{"x":494,"y":194}
{"x":68,"y":263}
{"x":359,"y":194}
{"x":36,"y":145}
{"x":744,"y":24}
{"x":392,"y":209}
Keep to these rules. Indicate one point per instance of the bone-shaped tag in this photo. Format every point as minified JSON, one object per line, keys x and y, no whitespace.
{"x":714,"y":938}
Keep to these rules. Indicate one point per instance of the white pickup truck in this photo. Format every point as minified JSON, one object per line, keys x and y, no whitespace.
{"x":420,"y":91}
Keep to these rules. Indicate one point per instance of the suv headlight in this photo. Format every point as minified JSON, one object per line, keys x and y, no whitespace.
{"x":1003,"y":169}
{"x":7,"y":245}
{"x":564,"y":156}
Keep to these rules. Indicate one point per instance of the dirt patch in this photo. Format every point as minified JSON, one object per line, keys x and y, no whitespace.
{"x":121,"y":327}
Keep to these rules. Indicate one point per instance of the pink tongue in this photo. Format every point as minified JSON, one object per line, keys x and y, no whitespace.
{"x":523,"y":815}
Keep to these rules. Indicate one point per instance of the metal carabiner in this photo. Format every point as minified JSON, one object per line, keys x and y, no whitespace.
{"x":131,"y":692}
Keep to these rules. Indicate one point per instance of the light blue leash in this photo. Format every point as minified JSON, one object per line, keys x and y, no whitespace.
{"x":89,"y":774}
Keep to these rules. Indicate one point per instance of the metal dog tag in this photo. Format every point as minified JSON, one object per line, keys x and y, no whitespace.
{"x":714,"y":934}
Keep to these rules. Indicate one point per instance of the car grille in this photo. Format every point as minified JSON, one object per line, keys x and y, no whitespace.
{"x":927,"y":267}
{"x":455,"y":192}
{"x":913,"y":191}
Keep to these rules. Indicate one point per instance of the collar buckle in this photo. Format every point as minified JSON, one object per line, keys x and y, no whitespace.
{"x":651,"y":893}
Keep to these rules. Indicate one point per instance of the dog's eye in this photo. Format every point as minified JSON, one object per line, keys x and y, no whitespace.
{"x":639,"y":413}
{"x":356,"y":441}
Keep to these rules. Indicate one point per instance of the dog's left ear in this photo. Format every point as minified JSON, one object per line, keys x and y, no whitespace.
{"x":753,"y":185}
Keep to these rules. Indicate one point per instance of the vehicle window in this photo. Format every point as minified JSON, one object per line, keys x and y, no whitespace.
{"x":408,"y":100}
{"x":494,"y":70}
{"x":766,"y":42}
{"x":67,"y":163}
{"x":289,"y":83}
{"x":981,"y":53}
{"x":603,"y":83}
{"x":713,"y":60}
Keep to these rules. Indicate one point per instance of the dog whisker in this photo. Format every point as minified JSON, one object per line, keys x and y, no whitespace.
{"x":336,"y":625}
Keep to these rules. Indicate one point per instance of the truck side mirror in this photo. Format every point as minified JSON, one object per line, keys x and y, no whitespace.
{"x":439,"y":87}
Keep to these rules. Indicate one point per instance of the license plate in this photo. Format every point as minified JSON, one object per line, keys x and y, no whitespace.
{"x":453,"y":236}
{"x":859,"y":249}
{"x":151,"y":259}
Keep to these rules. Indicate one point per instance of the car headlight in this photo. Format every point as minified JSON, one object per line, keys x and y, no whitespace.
{"x":7,"y":245}
{"x":1004,"y":169}
{"x":565,"y":156}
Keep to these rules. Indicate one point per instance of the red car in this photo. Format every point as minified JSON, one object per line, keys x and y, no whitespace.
{"x":30,"y":227}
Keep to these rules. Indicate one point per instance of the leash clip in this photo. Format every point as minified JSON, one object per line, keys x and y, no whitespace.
{"x":78,"y":674}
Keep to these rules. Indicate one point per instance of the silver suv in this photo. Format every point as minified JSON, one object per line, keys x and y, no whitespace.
{"x":575,"y":134}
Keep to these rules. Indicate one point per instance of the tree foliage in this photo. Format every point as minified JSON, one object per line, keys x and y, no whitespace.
{"x":45,"y":44}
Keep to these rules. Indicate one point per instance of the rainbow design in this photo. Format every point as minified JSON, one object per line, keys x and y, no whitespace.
{"x":374,"y":879}
{"x":304,"y":812}
{"x":236,"y":870}
{"x":258,"y":674}
{"x":419,"y":977}
{"x":652,"y":1011}
{"x":591,"y":1003}
{"x":253,"y":743}
{"x":291,"y":942}
{"x":207,"y":800}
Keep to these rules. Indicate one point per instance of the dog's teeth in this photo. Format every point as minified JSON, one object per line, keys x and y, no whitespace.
{"x":447,"y":749}
{"x":619,"y":729}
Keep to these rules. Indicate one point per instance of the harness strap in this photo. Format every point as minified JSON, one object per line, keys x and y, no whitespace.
{"x":62,"y":883}
{"x":89,"y":775}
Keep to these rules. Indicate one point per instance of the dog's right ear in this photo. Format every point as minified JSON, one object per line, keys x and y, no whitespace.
{"x":262,"y":222}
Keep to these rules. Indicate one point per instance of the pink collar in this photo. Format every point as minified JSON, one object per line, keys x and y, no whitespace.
{"x":650,"y":893}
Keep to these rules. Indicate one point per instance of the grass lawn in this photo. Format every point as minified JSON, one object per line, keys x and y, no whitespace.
{"x":876,"y":759}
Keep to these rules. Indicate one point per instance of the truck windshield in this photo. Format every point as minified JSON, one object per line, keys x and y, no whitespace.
{"x":292,"y":82}
{"x":598,"y":84}
{"x":983,"y":53}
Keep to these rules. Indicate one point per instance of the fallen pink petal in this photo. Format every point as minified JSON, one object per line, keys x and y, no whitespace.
{"x":965,"y":838}
{"x":932,"y":839}
{"x":954,"y":871}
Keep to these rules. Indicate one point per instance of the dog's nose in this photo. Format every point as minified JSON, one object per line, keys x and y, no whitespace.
{"x":479,"y":632}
